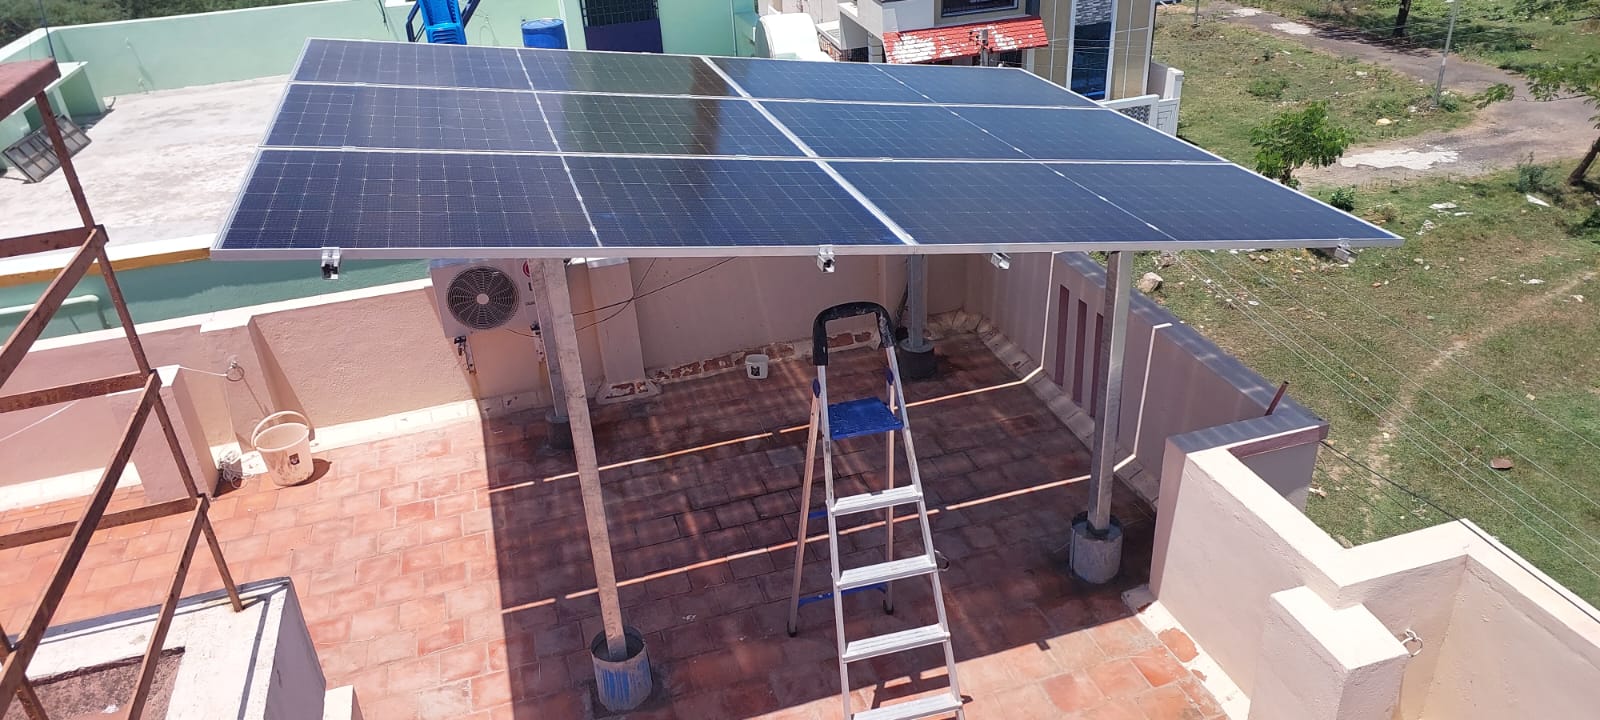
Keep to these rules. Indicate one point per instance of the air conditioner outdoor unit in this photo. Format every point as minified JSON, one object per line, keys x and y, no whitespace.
{"x":479,"y":295}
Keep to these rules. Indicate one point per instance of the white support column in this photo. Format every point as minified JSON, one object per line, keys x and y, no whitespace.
{"x":565,"y":338}
{"x":1097,"y":537}
{"x":621,"y":354}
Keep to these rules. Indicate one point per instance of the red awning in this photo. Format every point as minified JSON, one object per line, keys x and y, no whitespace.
{"x":920,"y":46}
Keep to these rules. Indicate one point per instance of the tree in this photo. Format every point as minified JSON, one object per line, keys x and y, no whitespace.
{"x":1297,"y":138}
{"x":1401,"y":18}
{"x":1548,"y":81}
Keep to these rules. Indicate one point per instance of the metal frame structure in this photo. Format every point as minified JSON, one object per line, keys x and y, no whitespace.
{"x":20,"y":82}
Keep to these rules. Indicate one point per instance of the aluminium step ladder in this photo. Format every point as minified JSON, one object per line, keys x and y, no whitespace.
{"x":860,"y":418}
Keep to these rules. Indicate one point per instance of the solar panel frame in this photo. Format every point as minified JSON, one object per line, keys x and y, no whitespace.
{"x":900,"y":239}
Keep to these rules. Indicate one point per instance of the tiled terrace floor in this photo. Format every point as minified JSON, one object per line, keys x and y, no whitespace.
{"x":446,"y":574}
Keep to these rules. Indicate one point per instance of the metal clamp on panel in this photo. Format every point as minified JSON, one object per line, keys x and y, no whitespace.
{"x":330,"y":263}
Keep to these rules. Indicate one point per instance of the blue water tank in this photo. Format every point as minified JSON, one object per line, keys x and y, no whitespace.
{"x":548,"y":33}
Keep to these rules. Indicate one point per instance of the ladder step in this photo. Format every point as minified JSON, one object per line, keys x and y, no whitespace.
{"x":867,"y":416}
{"x":913,"y":709}
{"x":865,"y":648}
{"x":877,"y":500}
{"x":884,"y":572}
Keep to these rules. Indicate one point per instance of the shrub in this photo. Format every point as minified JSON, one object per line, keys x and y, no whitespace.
{"x":1533,"y":178}
{"x":1344,"y":198}
{"x":1590,"y":227}
{"x":1297,"y":138}
{"x":1384,"y":214}
{"x":1270,"y":88}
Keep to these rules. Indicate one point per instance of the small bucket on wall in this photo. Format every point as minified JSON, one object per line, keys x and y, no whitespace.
{"x":285,"y":447}
{"x":622,"y":684}
{"x":755,"y":366}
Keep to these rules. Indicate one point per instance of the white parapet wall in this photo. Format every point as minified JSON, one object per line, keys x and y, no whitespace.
{"x":256,"y":664}
{"x":1486,"y":634}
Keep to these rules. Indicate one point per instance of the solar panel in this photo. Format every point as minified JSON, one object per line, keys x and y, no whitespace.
{"x":1052,"y":134}
{"x":903,"y":131}
{"x":1219,"y":203}
{"x":799,"y":79}
{"x":409,"y":118}
{"x":662,"y":126}
{"x":983,"y":86}
{"x":383,"y":202}
{"x":993,"y":203}
{"x":615,"y":72}
{"x":452,"y":151}
{"x":412,"y":64}
{"x":701,"y":203}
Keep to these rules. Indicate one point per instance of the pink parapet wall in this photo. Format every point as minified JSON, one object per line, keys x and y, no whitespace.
{"x":354,"y":356}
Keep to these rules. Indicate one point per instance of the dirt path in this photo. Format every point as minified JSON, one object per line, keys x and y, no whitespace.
{"x":1503,"y":133}
{"x":1389,"y":425}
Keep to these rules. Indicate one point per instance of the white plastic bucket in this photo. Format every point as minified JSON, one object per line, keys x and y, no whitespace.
{"x":285,"y":447}
{"x":755,"y":366}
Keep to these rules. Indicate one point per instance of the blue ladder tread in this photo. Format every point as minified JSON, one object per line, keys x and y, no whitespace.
{"x":854,"y":418}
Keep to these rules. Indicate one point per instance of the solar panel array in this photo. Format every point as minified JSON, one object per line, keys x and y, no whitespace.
{"x":401,"y":150}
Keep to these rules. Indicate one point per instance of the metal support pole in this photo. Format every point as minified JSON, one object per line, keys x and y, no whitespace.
{"x":1196,"y":22}
{"x":1103,"y":460}
{"x":552,"y":359}
{"x":1438,"y":85}
{"x":916,"y":352}
{"x":565,"y":337}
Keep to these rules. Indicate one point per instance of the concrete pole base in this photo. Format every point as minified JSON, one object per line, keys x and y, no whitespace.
{"x":558,"y":436}
{"x":917,"y":364}
{"x":1096,"y":556}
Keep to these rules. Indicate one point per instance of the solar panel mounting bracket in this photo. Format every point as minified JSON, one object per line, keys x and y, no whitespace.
{"x":825,"y":261}
{"x":330,"y":263}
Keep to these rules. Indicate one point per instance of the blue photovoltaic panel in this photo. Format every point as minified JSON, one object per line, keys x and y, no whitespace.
{"x":983,"y":86}
{"x":410,"y":64}
{"x":899,"y":131}
{"x":1220,"y":203}
{"x":992,"y":203}
{"x":620,"y":72}
{"x":632,"y":124}
{"x":701,"y":203}
{"x":452,"y":151}
{"x":1051,"y":134}
{"x":389,"y":201}
{"x":800,"y":79}
{"x":409,"y":118}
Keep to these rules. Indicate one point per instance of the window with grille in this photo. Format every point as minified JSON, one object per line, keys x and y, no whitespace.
{"x":598,"y":13}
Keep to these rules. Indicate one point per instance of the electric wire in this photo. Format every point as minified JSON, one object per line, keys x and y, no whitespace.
{"x":1564,"y":593}
{"x":625,"y":303}
{"x":1439,"y":457}
{"x":1383,"y":400}
{"x":1420,"y":386}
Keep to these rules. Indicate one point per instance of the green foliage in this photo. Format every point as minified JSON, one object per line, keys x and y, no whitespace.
{"x":1590,"y":227}
{"x":1498,"y":92}
{"x":1297,"y":138}
{"x":1344,"y":198}
{"x":1270,"y":87}
{"x":20,"y":17}
{"x":1533,"y":178}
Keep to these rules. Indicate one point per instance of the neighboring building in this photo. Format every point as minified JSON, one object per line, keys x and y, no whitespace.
{"x":1103,"y":46}
{"x":1100,"y":48}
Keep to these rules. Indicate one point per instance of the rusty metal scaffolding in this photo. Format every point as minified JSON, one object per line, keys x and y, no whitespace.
{"x":20,"y":82}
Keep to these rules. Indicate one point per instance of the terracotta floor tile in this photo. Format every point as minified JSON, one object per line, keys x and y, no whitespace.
{"x":446,"y":573}
{"x":1168,"y":703}
{"x":1118,"y":679}
{"x":1181,"y":646}
{"x":1073,"y":692}
{"x":1158,"y":667}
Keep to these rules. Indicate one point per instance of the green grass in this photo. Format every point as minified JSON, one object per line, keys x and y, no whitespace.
{"x":1487,"y":30}
{"x":1236,"y":78}
{"x":1360,"y":346}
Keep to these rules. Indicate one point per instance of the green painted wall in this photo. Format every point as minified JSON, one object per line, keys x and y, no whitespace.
{"x":701,"y":27}
{"x":185,"y":50}
{"x":163,"y":292}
